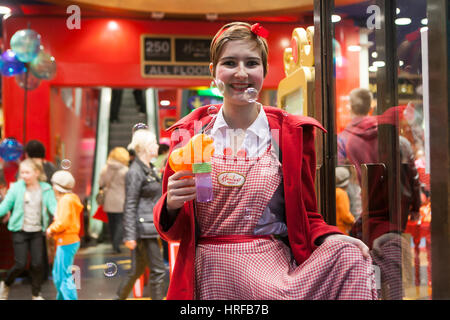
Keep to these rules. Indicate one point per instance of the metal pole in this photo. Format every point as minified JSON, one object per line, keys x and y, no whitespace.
{"x":25,"y":108}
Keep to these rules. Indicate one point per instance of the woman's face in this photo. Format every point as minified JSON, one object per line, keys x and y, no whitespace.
{"x":239,"y":67}
{"x":28,"y":174}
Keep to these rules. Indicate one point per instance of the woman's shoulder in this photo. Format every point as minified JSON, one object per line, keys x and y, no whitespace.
{"x":134,"y":169}
{"x":196,"y":115}
{"x":285,"y":118}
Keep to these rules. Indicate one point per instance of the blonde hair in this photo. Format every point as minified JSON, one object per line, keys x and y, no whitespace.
{"x":141,"y":139}
{"x":35,"y":165}
{"x":237,"y":31}
{"x":119,"y":154}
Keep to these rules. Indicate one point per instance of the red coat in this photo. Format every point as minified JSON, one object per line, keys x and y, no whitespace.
{"x":304,"y":224}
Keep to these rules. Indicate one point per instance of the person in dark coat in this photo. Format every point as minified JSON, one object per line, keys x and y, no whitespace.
{"x":142,"y":191}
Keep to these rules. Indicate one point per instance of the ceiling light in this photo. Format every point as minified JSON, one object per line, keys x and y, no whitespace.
{"x":4,"y":10}
{"x":374,"y":54}
{"x":157,"y":15}
{"x":424,"y":21}
{"x":373,"y":69}
{"x":402,"y":21}
{"x":354,"y":48}
{"x":401,"y":63}
{"x":112,"y":25}
{"x":335,"y":18}
{"x":397,"y":11}
{"x":379,"y":64}
{"x":212,"y":16}
{"x":164,"y":103}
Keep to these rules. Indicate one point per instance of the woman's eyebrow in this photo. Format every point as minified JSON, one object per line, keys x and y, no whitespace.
{"x":246,"y":58}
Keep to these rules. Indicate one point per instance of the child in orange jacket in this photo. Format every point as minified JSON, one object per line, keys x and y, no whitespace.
{"x":344,"y":218}
{"x":65,"y":230}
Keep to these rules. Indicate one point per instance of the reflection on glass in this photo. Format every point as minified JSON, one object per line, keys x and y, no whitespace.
{"x":399,"y":241}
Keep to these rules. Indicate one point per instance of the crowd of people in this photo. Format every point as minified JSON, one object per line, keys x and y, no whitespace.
{"x":44,"y":215}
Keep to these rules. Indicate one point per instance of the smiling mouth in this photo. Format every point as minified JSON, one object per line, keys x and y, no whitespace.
{"x":240,"y":86}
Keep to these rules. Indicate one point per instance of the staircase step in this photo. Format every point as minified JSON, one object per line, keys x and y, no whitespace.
{"x":120,"y":133}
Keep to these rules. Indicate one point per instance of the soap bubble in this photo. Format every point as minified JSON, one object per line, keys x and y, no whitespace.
{"x":251,"y":95}
{"x":110,"y":270}
{"x":212,"y":111}
{"x":66,"y":164}
{"x":218,"y":85}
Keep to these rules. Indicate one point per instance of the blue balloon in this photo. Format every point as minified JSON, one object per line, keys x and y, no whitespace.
{"x":10,"y":65}
{"x":11,"y":149}
{"x":26,"y":44}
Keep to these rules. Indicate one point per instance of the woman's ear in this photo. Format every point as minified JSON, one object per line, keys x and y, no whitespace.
{"x":211,"y":69}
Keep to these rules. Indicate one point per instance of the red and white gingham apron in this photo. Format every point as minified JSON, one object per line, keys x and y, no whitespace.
{"x":231,"y":263}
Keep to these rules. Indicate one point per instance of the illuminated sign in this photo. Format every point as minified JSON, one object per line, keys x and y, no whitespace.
{"x":171,"y":56}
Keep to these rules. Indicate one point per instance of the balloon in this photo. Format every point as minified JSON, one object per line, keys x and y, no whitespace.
{"x":43,"y":66}
{"x":10,"y":149}
{"x":10,"y":65}
{"x":32,"y":82}
{"x":26,"y":44}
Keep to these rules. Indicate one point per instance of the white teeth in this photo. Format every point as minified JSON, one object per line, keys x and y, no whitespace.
{"x":240,"y":86}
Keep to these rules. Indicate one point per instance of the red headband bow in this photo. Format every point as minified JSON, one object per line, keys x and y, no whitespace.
{"x":259,"y":30}
{"x":255,"y":28}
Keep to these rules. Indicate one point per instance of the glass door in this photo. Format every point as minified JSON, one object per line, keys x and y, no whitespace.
{"x":377,"y":113}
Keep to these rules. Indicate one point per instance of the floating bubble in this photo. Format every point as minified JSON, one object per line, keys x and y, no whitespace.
{"x":66,"y":164}
{"x":251,"y":95}
{"x":110,"y":270}
{"x":139,"y":126}
{"x":212,"y":111}
{"x":218,"y":86}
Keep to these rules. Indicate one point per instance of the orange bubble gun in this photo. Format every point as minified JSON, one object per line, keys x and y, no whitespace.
{"x":196,"y":157}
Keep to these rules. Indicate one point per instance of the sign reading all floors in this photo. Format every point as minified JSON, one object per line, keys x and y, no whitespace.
{"x":171,"y":56}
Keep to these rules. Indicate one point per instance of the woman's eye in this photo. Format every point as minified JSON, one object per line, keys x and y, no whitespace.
{"x":253,"y":63}
{"x":228,"y":63}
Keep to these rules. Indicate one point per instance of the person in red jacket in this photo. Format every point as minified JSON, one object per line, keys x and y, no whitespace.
{"x":261,"y":236}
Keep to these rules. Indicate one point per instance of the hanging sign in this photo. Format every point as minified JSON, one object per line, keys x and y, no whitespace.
{"x":171,"y":56}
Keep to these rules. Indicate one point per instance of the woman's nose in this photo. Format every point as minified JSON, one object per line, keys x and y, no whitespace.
{"x":241,"y":71}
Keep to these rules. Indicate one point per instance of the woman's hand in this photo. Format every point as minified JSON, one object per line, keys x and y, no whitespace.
{"x":6,"y":218}
{"x":361,"y":245}
{"x":130,"y":244}
{"x":180,"y":190}
{"x":49,"y":233}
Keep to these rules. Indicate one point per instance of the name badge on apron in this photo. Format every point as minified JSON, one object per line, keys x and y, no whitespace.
{"x":231,"y":179}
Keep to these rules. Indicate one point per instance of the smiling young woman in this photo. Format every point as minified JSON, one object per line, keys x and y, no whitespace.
{"x":261,"y":236}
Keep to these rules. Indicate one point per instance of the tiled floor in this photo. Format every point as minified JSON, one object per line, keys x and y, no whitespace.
{"x":101,"y":272}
